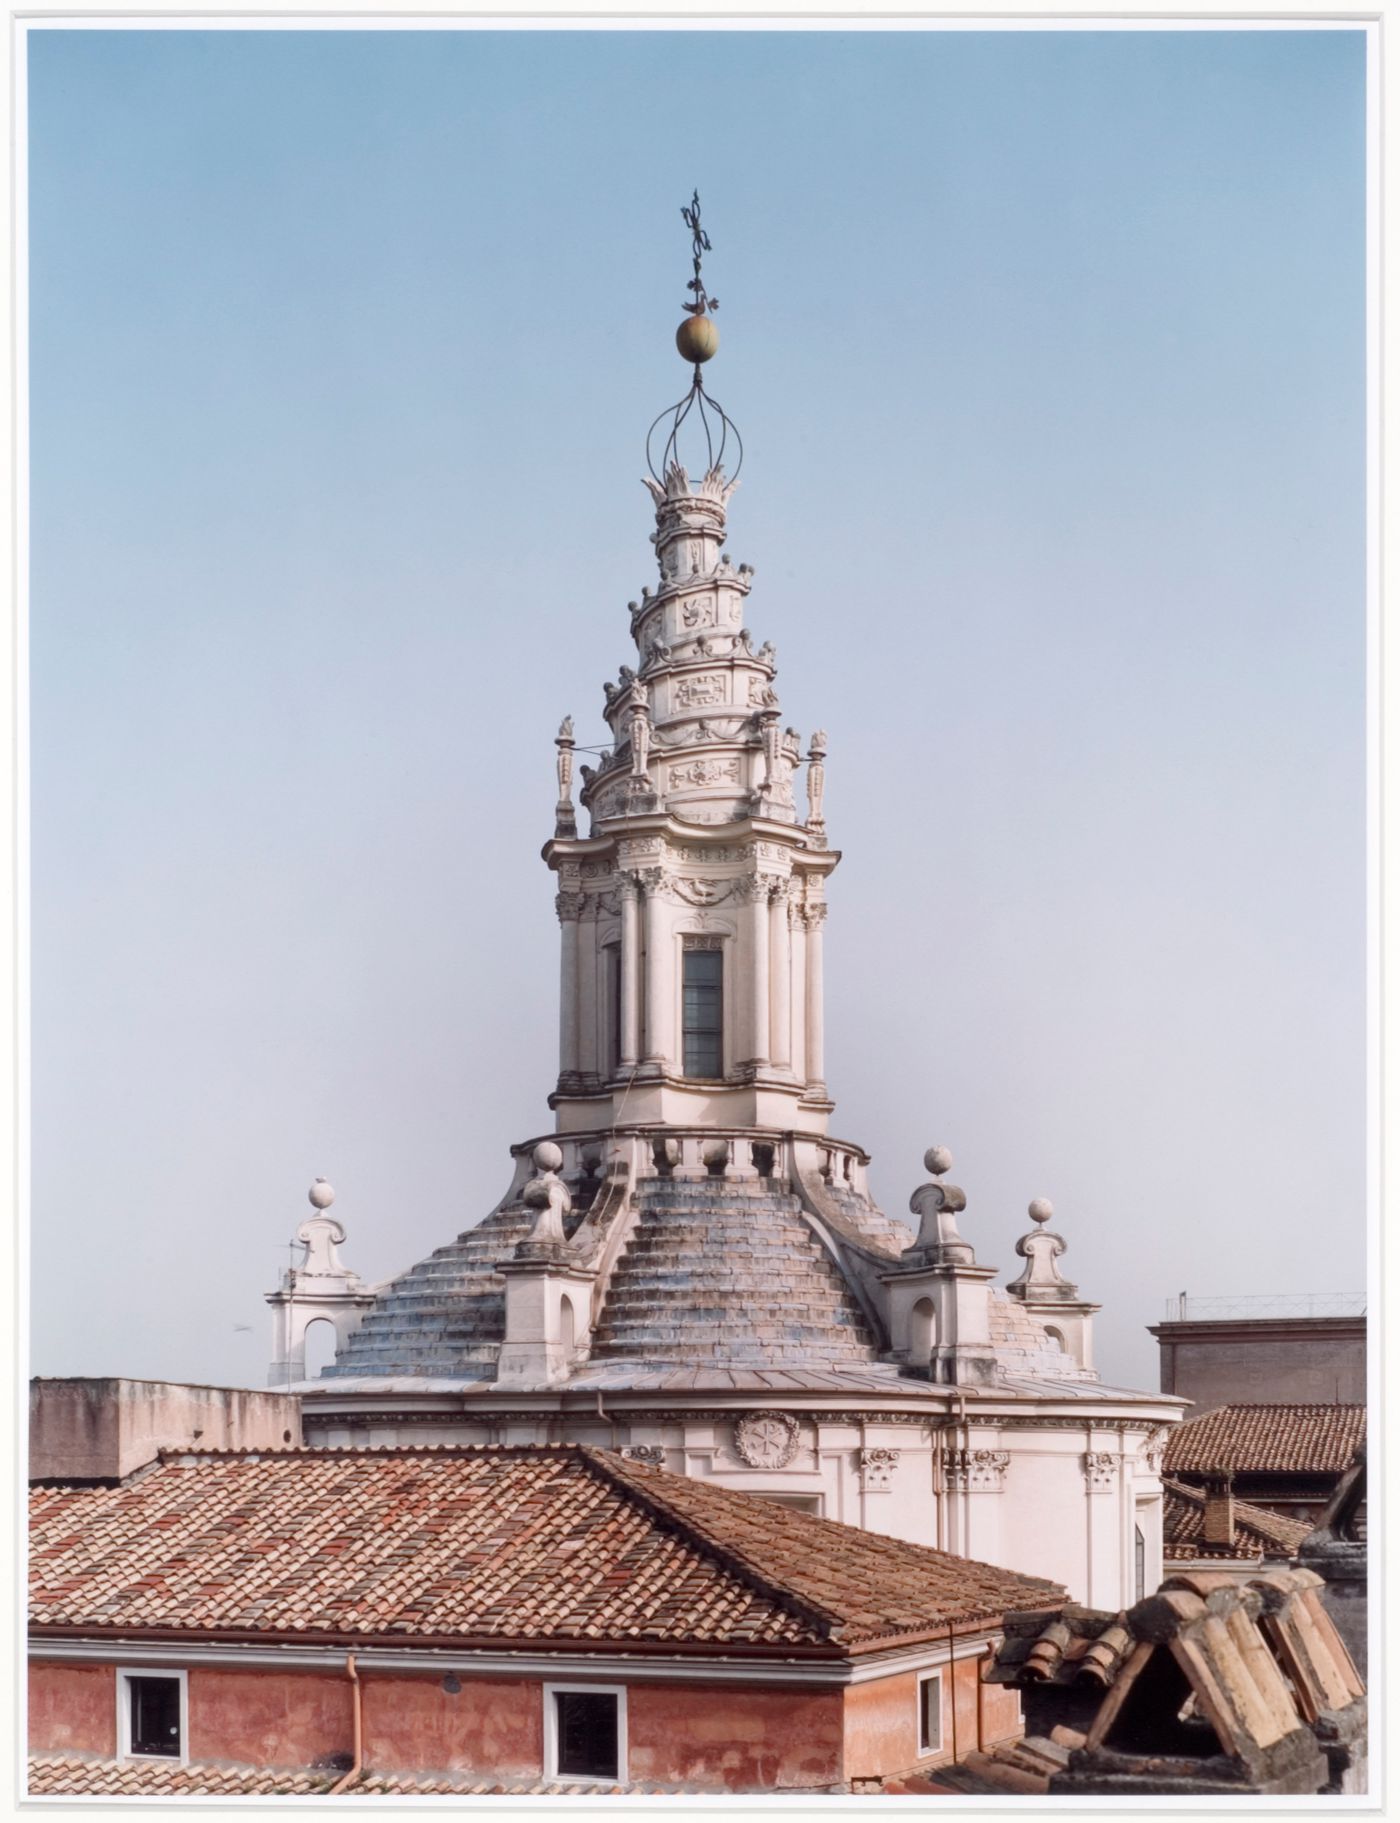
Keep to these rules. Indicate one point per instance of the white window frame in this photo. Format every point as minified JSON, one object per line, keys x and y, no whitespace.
{"x":929,"y":1677}
{"x":551,"y":1730}
{"x":125,"y":1673}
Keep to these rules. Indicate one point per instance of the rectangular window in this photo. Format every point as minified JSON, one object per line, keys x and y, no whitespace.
{"x":1139,"y":1563}
{"x":585,"y":1731}
{"x":151,"y":1722}
{"x":702,"y":1012}
{"x":931,"y":1712}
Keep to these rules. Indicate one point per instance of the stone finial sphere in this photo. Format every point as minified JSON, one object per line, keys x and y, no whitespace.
{"x":547,"y":1156}
{"x":938,"y":1159}
{"x":697,"y":338}
{"x":1041,"y":1209}
{"x":320,"y":1195}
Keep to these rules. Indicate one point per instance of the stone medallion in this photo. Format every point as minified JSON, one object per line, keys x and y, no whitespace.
{"x":766,"y":1440}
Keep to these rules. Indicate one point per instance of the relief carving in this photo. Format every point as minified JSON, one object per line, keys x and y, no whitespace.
{"x":766,"y":1440}
{"x":704,"y":772}
{"x":701,"y":692}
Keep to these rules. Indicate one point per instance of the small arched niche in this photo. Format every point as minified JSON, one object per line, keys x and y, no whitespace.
{"x":320,"y":1346}
{"x":922,"y":1332}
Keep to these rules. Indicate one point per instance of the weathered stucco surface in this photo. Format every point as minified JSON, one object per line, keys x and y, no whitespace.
{"x":73,"y":1709}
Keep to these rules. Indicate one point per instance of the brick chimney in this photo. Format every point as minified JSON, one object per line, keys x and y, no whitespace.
{"x":1218,"y":1524}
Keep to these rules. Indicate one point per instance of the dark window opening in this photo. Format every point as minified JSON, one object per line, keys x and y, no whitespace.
{"x":155,"y":1715}
{"x":930,"y":1714}
{"x":702,"y":1012}
{"x":587,"y":1728}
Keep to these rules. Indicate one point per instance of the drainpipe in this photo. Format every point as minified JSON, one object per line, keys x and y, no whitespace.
{"x":357,"y":1762}
{"x":953,"y":1692}
{"x":980,"y":1661}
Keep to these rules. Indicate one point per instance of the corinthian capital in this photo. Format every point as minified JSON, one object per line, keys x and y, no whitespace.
{"x":569,"y":906}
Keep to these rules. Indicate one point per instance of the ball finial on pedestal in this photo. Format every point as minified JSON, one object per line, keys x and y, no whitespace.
{"x":320,"y":1195}
{"x":1041,"y":1209}
{"x":547,"y":1156}
{"x":938,"y":1159}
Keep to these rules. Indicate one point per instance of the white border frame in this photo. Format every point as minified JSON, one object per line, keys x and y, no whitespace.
{"x":125,"y":1673}
{"x":923,"y":1678}
{"x":551,"y":1731}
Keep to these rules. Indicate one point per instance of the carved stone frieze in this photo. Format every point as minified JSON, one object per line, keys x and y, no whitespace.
{"x":877,"y":1467}
{"x":766,"y":1440}
{"x":702,"y":892}
{"x":976,"y":1471}
{"x":704,"y":772}
{"x":701,"y":690}
{"x":699,"y":611}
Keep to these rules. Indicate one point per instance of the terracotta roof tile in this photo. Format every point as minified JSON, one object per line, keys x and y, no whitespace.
{"x":546,"y":1545}
{"x":73,"y":1775}
{"x":1251,"y":1439}
{"x":1258,"y":1532}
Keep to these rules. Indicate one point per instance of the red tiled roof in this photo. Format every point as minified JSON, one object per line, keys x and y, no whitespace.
{"x":1257,"y":1531}
{"x":550,"y":1546}
{"x":75,"y":1776}
{"x":1248,"y":1439}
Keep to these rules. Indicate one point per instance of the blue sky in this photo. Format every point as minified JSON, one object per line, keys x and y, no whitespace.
{"x":1048,"y":353}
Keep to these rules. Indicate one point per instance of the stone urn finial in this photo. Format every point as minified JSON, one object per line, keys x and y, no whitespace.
{"x":937,"y":1206}
{"x":549,"y":1194}
{"x":1041,"y":1277}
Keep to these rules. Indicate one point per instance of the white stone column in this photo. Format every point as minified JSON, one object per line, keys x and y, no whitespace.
{"x":661,"y":976}
{"x":590,"y":1044}
{"x":570,"y":907}
{"x":629,"y":1044}
{"x":758,"y":972}
{"x":816,"y":1059}
{"x":780,"y":979}
{"x":797,"y":992}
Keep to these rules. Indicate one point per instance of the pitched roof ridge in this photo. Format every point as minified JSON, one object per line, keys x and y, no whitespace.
{"x":274,"y":1451}
{"x":622,"y":1474}
{"x":1255,"y":1518}
{"x":1281,"y":1405}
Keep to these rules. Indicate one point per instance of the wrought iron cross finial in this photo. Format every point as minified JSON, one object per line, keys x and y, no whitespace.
{"x":700,"y":243}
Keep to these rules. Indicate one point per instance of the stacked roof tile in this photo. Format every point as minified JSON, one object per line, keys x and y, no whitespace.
{"x":1259,"y":1439}
{"x":1258,"y":1532}
{"x":76,"y":1776}
{"x":552,"y":1546}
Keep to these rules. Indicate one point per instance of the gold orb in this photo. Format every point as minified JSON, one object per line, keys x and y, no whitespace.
{"x":697,"y":338}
